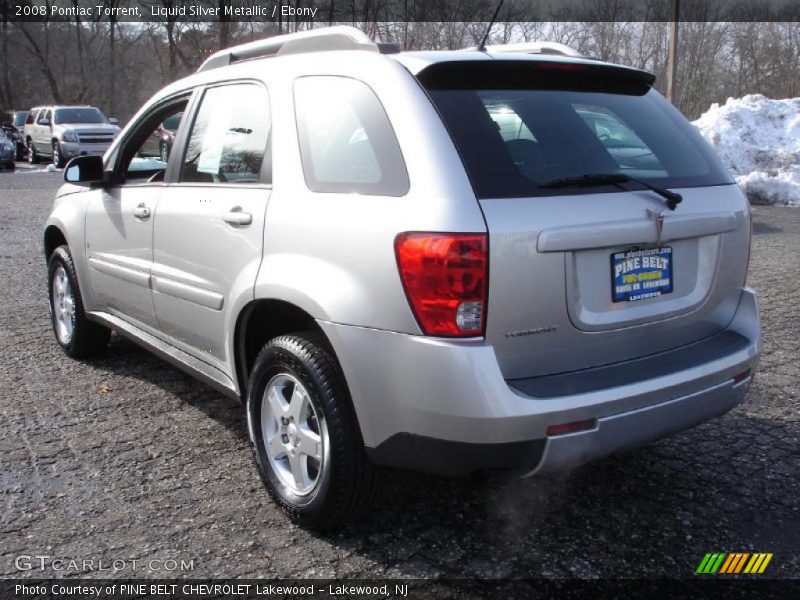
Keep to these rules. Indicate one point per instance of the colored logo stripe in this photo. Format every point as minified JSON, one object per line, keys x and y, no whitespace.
{"x":758,"y":563}
{"x":734,"y":563}
{"x":729,"y":564}
{"x":711,"y":562}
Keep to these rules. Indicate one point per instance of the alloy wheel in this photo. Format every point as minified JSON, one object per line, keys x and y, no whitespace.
{"x":295,"y":434}
{"x":63,"y":306}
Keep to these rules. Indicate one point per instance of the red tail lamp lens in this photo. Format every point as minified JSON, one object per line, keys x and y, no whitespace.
{"x":445,"y":277}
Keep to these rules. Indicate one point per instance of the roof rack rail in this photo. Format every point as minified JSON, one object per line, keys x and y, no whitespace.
{"x":340,"y":37}
{"x":554,"y":48}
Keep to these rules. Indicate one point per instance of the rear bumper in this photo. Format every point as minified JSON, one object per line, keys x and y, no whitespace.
{"x":639,"y":427}
{"x":443,"y":406}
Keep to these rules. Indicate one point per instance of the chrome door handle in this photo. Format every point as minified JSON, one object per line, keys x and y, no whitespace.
{"x":141,"y":211}
{"x":236,"y":217}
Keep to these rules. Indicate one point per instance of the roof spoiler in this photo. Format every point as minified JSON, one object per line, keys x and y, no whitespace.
{"x":540,"y":47}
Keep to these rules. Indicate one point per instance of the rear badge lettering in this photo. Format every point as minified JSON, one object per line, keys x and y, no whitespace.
{"x":523,"y":332}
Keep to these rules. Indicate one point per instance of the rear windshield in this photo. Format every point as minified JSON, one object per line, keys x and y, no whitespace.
{"x":517,"y":127}
{"x":79,"y":115}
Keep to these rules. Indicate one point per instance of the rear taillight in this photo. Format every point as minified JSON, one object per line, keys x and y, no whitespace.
{"x":445,"y":277}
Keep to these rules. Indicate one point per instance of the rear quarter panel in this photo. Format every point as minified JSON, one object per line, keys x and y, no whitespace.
{"x":333,"y":254}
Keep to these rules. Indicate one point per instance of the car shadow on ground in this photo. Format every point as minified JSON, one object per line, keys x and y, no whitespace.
{"x":125,"y":359}
{"x":675,"y":494}
{"x":760,"y":228}
{"x":708,"y":488}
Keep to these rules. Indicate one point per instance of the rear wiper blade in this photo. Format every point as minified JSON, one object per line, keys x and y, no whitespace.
{"x":672,"y":198}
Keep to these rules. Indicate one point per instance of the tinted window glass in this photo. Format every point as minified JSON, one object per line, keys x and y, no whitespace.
{"x":31,"y":117}
{"x":79,"y":115}
{"x":172,"y":122}
{"x":229,"y":136}
{"x":532,"y":128}
{"x":347,"y":144}
{"x":147,"y":147}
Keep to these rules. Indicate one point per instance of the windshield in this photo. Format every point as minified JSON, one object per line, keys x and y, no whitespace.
{"x":526,"y":130}
{"x":79,"y":115}
{"x":19,"y":119}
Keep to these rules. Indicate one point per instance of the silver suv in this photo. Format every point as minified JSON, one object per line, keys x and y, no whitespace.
{"x":443,"y":261}
{"x":63,"y":132}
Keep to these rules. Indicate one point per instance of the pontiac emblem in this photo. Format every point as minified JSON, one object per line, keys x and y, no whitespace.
{"x":658,"y":218}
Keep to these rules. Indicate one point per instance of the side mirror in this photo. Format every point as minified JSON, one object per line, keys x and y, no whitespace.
{"x":113,"y":120}
{"x":84,"y":170}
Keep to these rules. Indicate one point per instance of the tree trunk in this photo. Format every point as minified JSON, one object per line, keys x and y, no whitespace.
{"x":112,"y":65}
{"x":6,"y":91}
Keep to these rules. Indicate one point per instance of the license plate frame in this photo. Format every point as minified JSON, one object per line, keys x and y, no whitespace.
{"x":641,"y":274}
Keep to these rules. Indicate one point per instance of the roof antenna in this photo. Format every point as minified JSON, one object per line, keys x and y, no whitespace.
{"x":482,"y":47}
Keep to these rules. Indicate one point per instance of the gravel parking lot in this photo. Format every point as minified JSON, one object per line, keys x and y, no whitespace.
{"x":127,"y":458}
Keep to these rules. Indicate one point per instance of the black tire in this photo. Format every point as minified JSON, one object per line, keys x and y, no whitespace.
{"x":58,"y":157}
{"x":33,"y":158}
{"x":87,"y":338}
{"x":20,"y":152}
{"x":347,"y":480}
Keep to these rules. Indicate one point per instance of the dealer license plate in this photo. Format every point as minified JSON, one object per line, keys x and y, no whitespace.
{"x":641,"y":274}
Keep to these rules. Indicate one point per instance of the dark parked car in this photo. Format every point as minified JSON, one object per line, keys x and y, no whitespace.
{"x":13,"y":122}
{"x":160,"y":141}
{"x":7,"y":152}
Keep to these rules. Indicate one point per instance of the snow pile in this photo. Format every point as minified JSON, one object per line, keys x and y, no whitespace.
{"x":758,"y":139}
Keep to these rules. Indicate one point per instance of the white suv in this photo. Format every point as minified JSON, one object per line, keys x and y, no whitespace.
{"x":64,"y":132}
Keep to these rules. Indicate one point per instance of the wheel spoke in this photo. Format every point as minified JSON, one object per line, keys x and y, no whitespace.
{"x":275,"y":446}
{"x":298,"y":403}
{"x":310,"y":444}
{"x":275,"y":402}
{"x":299,"y":469}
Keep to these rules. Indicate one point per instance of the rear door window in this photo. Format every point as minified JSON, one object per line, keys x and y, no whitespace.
{"x":517,"y":128}
{"x":347,"y":143}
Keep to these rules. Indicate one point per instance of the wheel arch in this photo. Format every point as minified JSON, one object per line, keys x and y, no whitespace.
{"x":65,"y":226}
{"x":261,"y":320}
{"x":53,"y":238}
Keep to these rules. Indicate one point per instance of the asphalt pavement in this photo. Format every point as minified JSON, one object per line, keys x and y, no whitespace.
{"x":126,"y":458}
